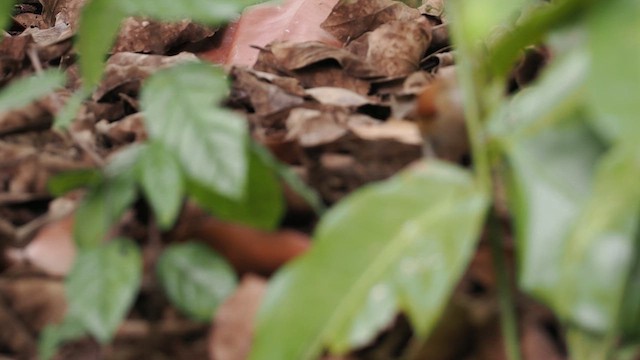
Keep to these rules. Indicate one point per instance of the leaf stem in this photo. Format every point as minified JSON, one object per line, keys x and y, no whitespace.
{"x":508,"y":320}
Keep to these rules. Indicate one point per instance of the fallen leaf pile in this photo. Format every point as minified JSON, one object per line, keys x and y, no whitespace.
{"x":345,"y":93}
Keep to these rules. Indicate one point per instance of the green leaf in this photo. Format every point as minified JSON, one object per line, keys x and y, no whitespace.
{"x":26,"y":90}
{"x":102,"y":286}
{"x":209,"y":142}
{"x":160,"y":177}
{"x":401,"y":243}
{"x":551,"y":181}
{"x":209,"y":12}
{"x":262,"y":205}
{"x":597,"y":256}
{"x":629,"y":316}
{"x":290,"y":178}
{"x":614,"y":80}
{"x":70,"y":180}
{"x":99,"y":24}
{"x":102,"y":206}
{"x":52,"y":336}
{"x":5,"y":11}
{"x":196,"y":279}
{"x":552,"y":98}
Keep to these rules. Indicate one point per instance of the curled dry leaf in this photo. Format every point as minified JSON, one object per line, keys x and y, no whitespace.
{"x":259,"y":25}
{"x":234,"y":321}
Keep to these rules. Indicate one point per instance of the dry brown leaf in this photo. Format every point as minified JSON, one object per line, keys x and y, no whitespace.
{"x":144,"y":35}
{"x":235,"y":321}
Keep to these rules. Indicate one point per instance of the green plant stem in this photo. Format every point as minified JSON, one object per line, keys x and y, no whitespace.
{"x":508,"y":320}
{"x":469,"y":78}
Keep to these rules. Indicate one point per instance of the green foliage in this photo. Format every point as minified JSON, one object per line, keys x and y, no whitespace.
{"x":98,"y":299}
{"x":196,"y":279}
{"x":381,"y":249}
{"x":23,"y":91}
{"x":211,"y":143}
{"x":5,"y":10}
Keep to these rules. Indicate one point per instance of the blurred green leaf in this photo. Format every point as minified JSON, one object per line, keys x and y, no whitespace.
{"x":614,"y":80}
{"x":402,"y":244}
{"x":210,"y":143}
{"x":101,"y":207}
{"x":64,"y":182}
{"x":53,"y":335}
{"x":23,"y":91}
{"x":551,"y":181}
{"x":597,"y":255}
{"x":102,"y":285}
{"x":629,"y":316}
{"x":196,"y":279}
{"x":262,"y":205}
{"x":5,"y":11}
{"x":160,"y":178}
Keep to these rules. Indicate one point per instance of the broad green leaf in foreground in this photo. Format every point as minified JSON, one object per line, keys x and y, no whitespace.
{"x":210,"y":143}
{"x":401,"y":244}
{"x":101,"y":286}
{"x":196,"y":279}
{"x":551,"y":180}
{"x":614,"y":80}
{"x":23,"y":91}
{"x":598,"y":256}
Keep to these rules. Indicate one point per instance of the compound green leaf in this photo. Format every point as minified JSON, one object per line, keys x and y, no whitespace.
{"x":196,"y":279}
{"x":26,"y":90}
{"x":210,"y":143}
{"x":160,"y":178}
{"x":398,"y":245}
{"x":102,"y":285}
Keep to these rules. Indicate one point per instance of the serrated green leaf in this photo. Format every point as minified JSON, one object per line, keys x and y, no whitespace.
{"x":102,"y":206}
{"x":614,"y":80}
{"x":261,"y":207}
{"x":210,"y":143}
{"x":196,"y":279}
{"x":551,"y":181}
{"x":102,"y":285}
{"x":404,"y":241}
{"x":160,"y":178}
{"x":23,"y":91}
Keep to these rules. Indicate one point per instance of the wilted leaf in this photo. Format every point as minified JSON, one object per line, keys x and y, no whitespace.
{"x":400,"y":244}
{"x":101,"y":286}
{"x":23,"y":91}
{"x":196,"y":279}
{"x":209,"y":142}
